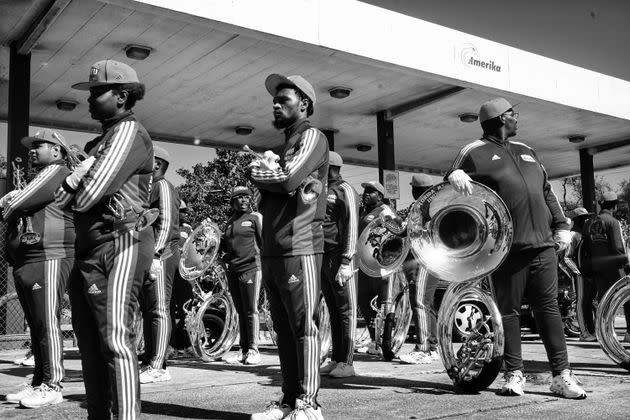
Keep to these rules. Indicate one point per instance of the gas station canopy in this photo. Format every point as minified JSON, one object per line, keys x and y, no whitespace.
{"x":209,"y":59}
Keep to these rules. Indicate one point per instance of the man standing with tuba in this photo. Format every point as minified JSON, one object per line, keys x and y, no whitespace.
{"x":42,"y":263}
{"x":155,"y":297}
{"x":339,"y":285}
{"x":114,"y":248}
{"x":292,"y":182}
{"x":422,"y":287}
{"x":515,"y":173}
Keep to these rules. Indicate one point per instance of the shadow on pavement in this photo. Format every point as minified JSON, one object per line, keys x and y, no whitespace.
{"x":175,"y":410}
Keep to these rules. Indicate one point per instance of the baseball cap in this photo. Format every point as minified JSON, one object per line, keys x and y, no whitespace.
{"x":45,"y":135}
{"x":375,"y":185}
{"x":274,"y":80}
{"x":493,"y":109}
{"x":108,"y":72}
{"x":577,"y":212}
{"x":183,"y":206}
{"x":240,"y":190}
{"x":421,"y":180}
{"x":161,"y":153}
{"x":334,"y":159}
{"x":609,"y":196}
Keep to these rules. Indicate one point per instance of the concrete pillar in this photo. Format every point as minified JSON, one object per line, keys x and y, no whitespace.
{"x":18,"y":118}
{"x":330,"y":136}
{"x":385,"y":139}
{"x":588,"y":180}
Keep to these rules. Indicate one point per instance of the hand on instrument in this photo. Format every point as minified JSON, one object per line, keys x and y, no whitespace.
{"x":562,"y":238}
{"x":344,"y":274}
{"x":79,"y":172}
{"x":269,"y":161}
{"x":156,"y":267}
{"x":6,"y":199}
{"x":460,"y":181}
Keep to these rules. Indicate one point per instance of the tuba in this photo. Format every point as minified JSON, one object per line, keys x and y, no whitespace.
{"x":462,"y":239}
{"x":211,"y":318}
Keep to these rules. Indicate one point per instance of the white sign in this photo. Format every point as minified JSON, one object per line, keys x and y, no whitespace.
{"x":391,"y":182}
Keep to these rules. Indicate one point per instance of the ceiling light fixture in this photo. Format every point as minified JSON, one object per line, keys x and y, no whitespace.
{"x":244,"y":130}
{"x":577,"y":138}
{"x":364,"y":147}
{"x":468,"y":117}
{"x":66,"y":104}
{"x":340,"y":92}
{"x":137,"y":52}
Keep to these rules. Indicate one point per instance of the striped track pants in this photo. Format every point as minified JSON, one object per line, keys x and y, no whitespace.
{"x":104,"y":287}
{"x":40,"y":287}
{"x":245,"y":291}
{"x":422,"y":287}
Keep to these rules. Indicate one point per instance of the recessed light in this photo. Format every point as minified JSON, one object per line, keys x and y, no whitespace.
{"x":66,"y":104}
{"x":364,"y":147}
{"x":137,"y":52}
{"x":576,"y":138}
{"x":244,"y":130}
{"x":340,"y":92}
{"x":468,"y":117}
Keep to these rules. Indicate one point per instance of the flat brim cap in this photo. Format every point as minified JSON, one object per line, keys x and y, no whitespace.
{"x":240,"y":190}
{"x":274,"y":80}
{"x":334,"y":159}
{"x":578,"y":212}
{"x":161,"y":153}
{"x":374,"y":185}
{"x":609,"y":196}
{"x":493,"y":109}
{"x":43,"y":135}
{"x":421,"y":180}
{"x":108,"y":72}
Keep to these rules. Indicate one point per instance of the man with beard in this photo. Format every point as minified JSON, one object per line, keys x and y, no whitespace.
{"x":155,"y":298}
{"x":339,"y":283}
{"x":515,"y":173}
{"x":113,"y":249}
{"x":41,"y":267}
{"x":292,"y":182}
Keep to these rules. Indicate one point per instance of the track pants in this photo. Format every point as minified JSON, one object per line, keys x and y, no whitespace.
{"x":367,"y":288}
{"x":342,"y":306}
{"x":595,"y":287}
{"x":533,"y":273}
{"x":104,"y":287}
{"x":155,"y":305}
{"x":245,"y":290}
{"x":40,"y":287}
{"x":422,"y":288}
{"x":293,"y":288}
{"x":182,"y":293}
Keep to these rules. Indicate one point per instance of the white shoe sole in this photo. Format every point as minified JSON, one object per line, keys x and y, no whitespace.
{"x":57,"y":400}
{"x":154,"y":380}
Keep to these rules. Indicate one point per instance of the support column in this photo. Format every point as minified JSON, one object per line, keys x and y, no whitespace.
{"x":385,"y":139}
{"x":588,"y":180}
{"x":330,"y":136}
{"x":19,"y":101}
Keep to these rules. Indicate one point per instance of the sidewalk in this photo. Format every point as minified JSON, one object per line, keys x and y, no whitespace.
{"x":383,"y":390}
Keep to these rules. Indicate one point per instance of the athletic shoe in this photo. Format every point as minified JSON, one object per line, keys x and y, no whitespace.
{"x":514,"y":383}
{"x":235,"y":358}
{"x":329,"y":367}
{"x":362,"y":349}
{"x":587,"y":337}
{"x":626,"y":338}
{"x":342,"y":370}
{"x":188,"y":352}
{"x":15,"y":398}
{"x":42,"y":396}
{"x":567,"y":385}
{"x":171,"y":353}
{"x":373,"y":349}
{"x":27,"y":360}
{"x":151,"y":375}
{"x":252,"y":357}
{"x":304,"y":411}
{"x":273,"y":411}
{"x":434,"y":355}
{"x":416,"y":358}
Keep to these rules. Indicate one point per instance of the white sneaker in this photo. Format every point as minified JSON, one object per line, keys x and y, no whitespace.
{"x":416,"y":358}
{"x":329,"y":367}
{"x":273,"y":411}
{"x":151,"y":375}
{"x":373,"y":349}
{"x":235,"y":358}
{"x":361,"y":349}
{"x":15,"y":398}
{"x":434,"y":355}
{"x":42,"y":396}
{"x":567,"y":385}
{"x":514,"y":383}
{"x":27,"y":360}
{"x":587,"y":338}
{"x":252,"y":357}
{"x":342,"y":370}
{"x":304,"y":411}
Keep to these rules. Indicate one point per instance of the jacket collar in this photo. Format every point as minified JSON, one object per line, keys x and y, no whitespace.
{"x":335,"y":179}
{"x":495,"y":139}
{"x":108,"y":123}
{"x":297,"y":127}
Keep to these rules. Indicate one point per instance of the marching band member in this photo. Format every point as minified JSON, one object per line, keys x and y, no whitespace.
{"x":338,"y":279}
{"x":368,"y":287}
{"x":515,"y":173}
{"x":41,"y":269}
{"x":292,"y":183}
{"x":422,"y":287}
{"x":113,"y":254}
{"x":241,"y":242}
{"x":155,"y":297}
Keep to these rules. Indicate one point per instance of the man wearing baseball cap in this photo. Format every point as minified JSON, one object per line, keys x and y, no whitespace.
{"x":40,"y":245}
{"x":292,"y":184}
{"x":368,"y":286}
{"x":339,"y":284}
{"x":241,"y":242}
{"x":113,"y":248}
{"x":155,"y":296}
{"x":516,"y":174}
{"x":603,"y":254}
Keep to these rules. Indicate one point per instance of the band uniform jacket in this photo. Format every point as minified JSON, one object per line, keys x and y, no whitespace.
{"x":293,"y":197}
{"x":614,"y":258}
{"x":123,"y":165}
{"x":54,"y":224}
{"x":165,"y":198}
{"x":341,"y":223}
{"x":241,"y":242}
{"x":515,"y":173}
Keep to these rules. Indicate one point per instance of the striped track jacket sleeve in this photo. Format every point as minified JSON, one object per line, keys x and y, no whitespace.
{"x":167,"y":204}
{"x":351,"y":221}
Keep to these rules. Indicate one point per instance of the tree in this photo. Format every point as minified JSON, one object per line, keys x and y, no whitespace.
{"x":207,"y":188}
{"x":572,"y":186}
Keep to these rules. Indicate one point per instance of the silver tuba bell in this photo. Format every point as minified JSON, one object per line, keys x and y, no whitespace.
{"x":200,"y":250}
{"x":381,"y":252}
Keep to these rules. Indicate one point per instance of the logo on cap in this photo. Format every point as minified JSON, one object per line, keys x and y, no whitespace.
{"x":93,"y":74}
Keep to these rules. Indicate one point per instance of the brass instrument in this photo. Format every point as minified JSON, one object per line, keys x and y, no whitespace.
{"x":28,"y":236}
{"x":462,"y":239}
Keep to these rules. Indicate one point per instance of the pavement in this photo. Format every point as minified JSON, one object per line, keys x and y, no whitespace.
{"x":381,"y":390}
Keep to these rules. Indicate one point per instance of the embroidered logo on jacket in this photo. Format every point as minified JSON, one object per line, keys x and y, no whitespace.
{"x":36,"y":286}
{"x":528,"y":158}
{"x":246,"y":223}
{"x":93,"y":290}
{"x":293,"y":279}
{"x":332,"y":197}
{"x":495,"y":157}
